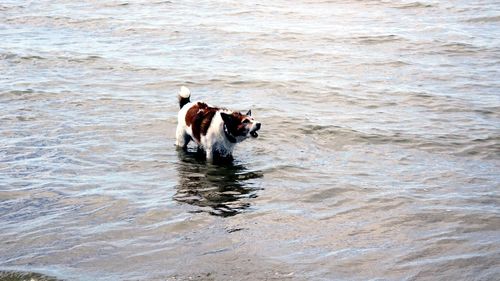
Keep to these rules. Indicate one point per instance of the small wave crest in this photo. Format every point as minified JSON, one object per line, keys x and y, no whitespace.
{"x":484,"y":19}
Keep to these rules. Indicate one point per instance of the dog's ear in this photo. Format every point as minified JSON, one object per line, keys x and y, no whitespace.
{"x":249,"y":113}
{"x":226,"y":117}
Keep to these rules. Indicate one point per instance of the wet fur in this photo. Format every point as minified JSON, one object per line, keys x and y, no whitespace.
{"x":215,"y":130}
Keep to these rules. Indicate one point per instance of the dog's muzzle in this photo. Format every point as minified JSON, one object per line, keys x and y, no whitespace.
{"x":253,"y":133}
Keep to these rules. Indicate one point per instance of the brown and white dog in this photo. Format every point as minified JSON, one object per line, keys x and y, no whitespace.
{"x":215,"y":130}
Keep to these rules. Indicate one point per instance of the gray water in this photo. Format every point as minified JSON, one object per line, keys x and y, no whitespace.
{"x":378,"y":158}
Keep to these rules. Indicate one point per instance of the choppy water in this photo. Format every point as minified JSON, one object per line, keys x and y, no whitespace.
{"x":378,"y":159}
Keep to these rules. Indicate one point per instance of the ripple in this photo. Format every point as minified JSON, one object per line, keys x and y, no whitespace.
{"x":18,"y":275}
{"x":485,"y":19}
{"x":379,"y":39}
{"x":414,"y":5}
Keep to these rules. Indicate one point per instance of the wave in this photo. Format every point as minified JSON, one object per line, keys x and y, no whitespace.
{"x":413,"y":5}
{"x":456,"y":144}
{"x":378,"y":39}
{"x":485,"y":19}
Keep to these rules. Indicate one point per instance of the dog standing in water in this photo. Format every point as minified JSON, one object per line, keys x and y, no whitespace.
{"x":215,"y":130}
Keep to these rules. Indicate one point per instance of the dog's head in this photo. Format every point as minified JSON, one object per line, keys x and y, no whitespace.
{"x":240,"y":126}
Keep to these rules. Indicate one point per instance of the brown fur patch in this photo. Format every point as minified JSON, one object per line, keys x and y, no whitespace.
{"x":234,"y":124}
{"x":199,"y":117}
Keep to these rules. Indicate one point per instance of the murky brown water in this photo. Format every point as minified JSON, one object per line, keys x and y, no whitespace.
{"x":379,"y":156}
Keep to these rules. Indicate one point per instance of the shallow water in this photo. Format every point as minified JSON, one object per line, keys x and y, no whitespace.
{"x":378,"y":157}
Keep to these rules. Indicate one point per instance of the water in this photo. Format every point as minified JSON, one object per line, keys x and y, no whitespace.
{"x":378,"y":158}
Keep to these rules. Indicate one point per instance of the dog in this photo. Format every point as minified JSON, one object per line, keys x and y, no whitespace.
{"x":215,"y":130}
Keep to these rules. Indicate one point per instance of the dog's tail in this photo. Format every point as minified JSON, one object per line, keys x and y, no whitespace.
{"x":184,"y":96}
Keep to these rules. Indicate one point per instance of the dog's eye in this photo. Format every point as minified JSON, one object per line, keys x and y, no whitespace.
{"x":245,"y":121}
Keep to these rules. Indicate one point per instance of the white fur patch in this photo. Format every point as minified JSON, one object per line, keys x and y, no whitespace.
{"x":185,"y":92}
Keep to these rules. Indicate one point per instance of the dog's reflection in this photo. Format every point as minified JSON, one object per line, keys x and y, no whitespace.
{"x":221,"y":190}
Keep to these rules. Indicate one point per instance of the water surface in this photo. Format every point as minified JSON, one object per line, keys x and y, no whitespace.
{"x":378,"y":157}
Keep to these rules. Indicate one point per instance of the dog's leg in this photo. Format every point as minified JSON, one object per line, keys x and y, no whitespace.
{"x":182,"y":138}
{"x":210,"y":155}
